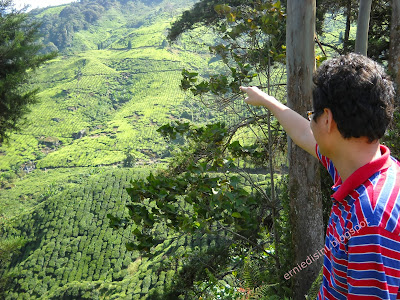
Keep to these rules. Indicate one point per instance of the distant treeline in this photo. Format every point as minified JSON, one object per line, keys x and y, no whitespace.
{"x":58,"y":29}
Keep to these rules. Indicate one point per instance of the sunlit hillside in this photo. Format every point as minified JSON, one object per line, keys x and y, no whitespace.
{"x":99,"y":106}
{"x":114,"y":83}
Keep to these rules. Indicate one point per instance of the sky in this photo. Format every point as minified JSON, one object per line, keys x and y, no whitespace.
{"x":40,"y":3}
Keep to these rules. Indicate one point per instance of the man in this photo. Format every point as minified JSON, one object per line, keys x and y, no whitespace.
{"x":353,"y":105}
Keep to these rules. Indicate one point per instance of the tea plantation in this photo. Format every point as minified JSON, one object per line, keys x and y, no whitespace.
{"x":101,"y":102}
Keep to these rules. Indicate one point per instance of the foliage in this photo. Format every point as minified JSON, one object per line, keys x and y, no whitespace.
{"x":57,"y":184}
{"x":198,"y":194}
{"x":192,"y":200}
{"x":191,"y":279}
{"x":254,"y":274}
{"x":391,"y":138}
{"x":203,"y":196}
{"x":203,"y":13}
{"x":71,"y":250}
{"x":129,"y":161}
{"x":250,"y":46}
{"x":18,"y":57}
{"x":379,"y":26}
{"x":117,"y":102}
{"x":315,"y":287}
{"x":63,"y":30}
{"x":9,"y":248}
{"x":251,"y":33}
{"x":379,"y":30}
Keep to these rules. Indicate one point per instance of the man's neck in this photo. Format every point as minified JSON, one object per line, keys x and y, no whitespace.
{"x":353,"y":154}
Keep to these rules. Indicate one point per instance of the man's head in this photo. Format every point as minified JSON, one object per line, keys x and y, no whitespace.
{"x":358,"y":92}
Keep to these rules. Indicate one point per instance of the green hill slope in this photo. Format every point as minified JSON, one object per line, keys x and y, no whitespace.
{"x":98,"y":105}
{"x":72,"y":253}
{"x":93,"y":131}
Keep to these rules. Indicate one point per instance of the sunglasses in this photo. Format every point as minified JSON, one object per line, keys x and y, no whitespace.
{"x":310,"y":115}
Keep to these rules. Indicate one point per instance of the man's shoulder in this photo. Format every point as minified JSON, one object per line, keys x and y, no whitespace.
{"x":395,"y":161}
{"x":379,"y":198}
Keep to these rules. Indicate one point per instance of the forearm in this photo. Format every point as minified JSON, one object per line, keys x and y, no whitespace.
{"x":296,"y":126}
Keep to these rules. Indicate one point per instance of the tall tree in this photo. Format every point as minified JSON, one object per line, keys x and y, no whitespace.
{"x":348,"y":26}
{"x":339,"y":7}
{"x":363,"y":26}
{"x":378,"y":29}
{"x":19,"y":55}
{"x":304,"y":181}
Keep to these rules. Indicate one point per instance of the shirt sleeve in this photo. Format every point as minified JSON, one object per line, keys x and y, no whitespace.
{"x":373,"y":270}
{"x":328,"y":164}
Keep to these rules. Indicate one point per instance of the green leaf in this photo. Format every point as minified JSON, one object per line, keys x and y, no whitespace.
{"x":115,"y":222}
{"x":222,"y":9}
{"x":130,"y":246}
{"x":237,"y":215}
{"x":277,"y":5}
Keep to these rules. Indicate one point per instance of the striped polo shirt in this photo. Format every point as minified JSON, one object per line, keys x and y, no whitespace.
{"x":362,"y":246}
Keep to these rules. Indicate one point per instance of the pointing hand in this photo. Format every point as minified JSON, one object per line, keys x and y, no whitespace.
{"x":255,"y":96}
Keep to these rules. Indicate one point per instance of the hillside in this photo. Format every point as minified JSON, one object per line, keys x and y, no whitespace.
{"x":114,"y":83}
{"x":98,"y":106}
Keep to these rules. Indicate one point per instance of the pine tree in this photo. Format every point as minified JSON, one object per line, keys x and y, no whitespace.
{"x":19,"y":55}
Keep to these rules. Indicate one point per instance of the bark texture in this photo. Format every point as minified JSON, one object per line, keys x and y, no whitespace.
{"x":304,"y":180}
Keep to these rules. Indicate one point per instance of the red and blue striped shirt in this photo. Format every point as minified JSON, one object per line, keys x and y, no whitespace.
{"x":362,"y":246}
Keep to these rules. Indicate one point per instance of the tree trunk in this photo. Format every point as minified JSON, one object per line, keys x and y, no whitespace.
{"x":304,"y":182}
{"x":394,"y":49}
{"x":364,"y":13}
{"x":348,"y":26}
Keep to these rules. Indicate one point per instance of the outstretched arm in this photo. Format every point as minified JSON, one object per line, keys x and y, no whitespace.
{"x":297,"y":127}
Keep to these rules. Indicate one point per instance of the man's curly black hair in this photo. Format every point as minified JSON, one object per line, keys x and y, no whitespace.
{"x":358,"y":92}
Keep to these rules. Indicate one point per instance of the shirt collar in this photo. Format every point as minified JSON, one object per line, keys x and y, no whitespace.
{"x":362,"y":174}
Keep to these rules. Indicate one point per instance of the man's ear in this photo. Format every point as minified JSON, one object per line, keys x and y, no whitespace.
{"x":329,"y":122}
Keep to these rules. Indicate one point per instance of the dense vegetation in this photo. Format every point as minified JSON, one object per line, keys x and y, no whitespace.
{"x":19,"y":57}
{"x":61,"y":26}
{"x":92,"y":132}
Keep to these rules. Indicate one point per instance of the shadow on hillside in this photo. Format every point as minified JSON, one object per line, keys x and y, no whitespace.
{"x":195,"y":269}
